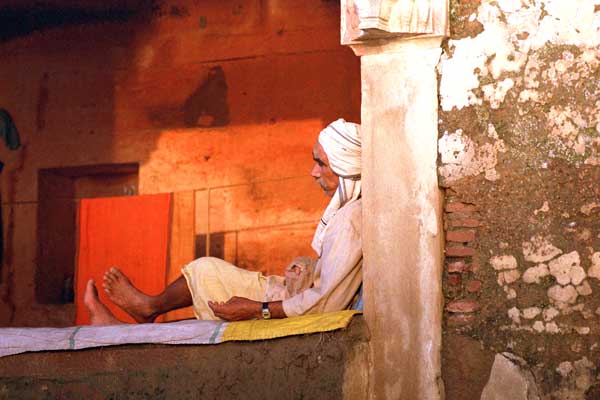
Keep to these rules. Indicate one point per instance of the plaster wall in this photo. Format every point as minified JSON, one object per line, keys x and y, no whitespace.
{"x":518,"y":155}
{"x":222,"y":99}
{"x":402,"y":264}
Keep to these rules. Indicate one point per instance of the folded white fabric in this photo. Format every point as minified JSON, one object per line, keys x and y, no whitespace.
{"x":21,"y":340}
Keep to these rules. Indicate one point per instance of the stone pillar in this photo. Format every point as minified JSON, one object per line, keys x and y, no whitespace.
{"x":402,"y":231}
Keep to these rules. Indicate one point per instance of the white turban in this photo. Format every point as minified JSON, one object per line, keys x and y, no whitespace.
{"x":342,"y":144}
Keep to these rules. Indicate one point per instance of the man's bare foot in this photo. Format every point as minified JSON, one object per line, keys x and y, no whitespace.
{"x":121,"y":292}
{"x":99,"y":314}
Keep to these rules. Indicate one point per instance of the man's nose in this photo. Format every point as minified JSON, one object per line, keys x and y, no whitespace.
{"x":316,"y":171}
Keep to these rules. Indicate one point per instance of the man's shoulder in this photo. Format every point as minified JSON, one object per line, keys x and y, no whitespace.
{"x":350,"y":215}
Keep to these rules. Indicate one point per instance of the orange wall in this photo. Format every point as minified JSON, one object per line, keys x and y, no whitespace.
{"x":149,"y":90}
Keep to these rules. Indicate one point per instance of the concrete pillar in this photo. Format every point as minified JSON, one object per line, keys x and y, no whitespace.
{"x":402,"y":227}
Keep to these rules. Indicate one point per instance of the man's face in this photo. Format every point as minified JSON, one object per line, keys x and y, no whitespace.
{"x":325,"y":177}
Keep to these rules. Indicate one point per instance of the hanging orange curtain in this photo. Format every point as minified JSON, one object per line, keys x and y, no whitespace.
{"x":131,"y":233}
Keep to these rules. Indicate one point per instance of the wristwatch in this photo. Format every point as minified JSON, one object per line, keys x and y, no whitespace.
{"x":266,"y":314}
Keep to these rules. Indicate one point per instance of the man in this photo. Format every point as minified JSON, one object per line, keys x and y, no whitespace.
{"x":219,"y":290}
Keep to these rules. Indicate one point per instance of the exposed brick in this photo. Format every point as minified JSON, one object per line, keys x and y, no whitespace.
{"x":457,"y":266}
{"x":462,"y":306}
{"x":460,"y":236}
{"x":460,"y":319}
{"x":473,"y":286}
{"x":457,"y":206}
{"x":454,"y":279}
{"x":459,"y":251}
{"x":463,"y":223}
{"x":460,"y":215}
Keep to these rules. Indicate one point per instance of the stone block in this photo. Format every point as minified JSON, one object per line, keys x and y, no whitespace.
{"x":510,"y":380}
{"x":466,"y":362}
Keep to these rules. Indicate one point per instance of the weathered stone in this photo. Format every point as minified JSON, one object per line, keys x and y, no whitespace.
{"x":535,"y":274}
{"x":539,"y":249}
{"x":510,"y":380}
{"x":503,"y":262}
{"x":582,"y":330}
{"x":566,"y":269}
{"x":510,"y":292}
{"x":531,"y":312}
{"x":550,"y":313}
{"x":506,"y":277}
{"x":584,"y":289}
{"x":560,"y":294}
{"x":552,"y":327}
{"x":594,"y":270}
{"x":467,"y":364}
{"x":515,"y":315}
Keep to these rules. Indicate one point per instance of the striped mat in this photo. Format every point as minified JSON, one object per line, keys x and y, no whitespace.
{"x":22,"y":340}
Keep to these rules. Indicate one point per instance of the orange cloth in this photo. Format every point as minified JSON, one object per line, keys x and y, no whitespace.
{"x":129,"y":232}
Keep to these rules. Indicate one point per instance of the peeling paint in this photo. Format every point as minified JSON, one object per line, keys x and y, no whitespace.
{"x":462,"y":157}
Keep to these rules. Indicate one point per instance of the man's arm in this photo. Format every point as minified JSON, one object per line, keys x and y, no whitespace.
{"x":241,"y":308}
{"x":340,"y":267}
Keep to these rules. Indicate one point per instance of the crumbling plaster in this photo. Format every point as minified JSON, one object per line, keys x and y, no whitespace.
{"x":542,"y":57}
{"x":519,"y":139}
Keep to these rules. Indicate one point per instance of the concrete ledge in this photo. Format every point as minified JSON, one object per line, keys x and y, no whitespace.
{"x":298,"y":367}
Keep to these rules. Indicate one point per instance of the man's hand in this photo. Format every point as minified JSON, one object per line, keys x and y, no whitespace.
{"x":237,"y":309}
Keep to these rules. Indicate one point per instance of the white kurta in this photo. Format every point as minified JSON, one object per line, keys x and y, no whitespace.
{"x":337,"y":277}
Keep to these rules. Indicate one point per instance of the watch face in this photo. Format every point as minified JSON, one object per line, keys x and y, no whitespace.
{"x":265,"y":311}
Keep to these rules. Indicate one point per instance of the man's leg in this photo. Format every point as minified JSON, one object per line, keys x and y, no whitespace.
{"x":142,"y":307}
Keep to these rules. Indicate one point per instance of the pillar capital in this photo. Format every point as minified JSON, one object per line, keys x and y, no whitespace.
{"x":371,"y":25}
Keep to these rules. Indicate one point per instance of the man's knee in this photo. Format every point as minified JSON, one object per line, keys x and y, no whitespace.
{"x":204,"y":263}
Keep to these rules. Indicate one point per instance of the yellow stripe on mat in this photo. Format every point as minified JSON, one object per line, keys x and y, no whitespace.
{"x":275,"y":328}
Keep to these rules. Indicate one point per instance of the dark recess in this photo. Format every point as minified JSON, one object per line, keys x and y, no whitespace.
{"x":28,"y":17}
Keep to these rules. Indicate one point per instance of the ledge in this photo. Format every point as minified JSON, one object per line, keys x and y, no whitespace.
{"x":311,"y":366}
